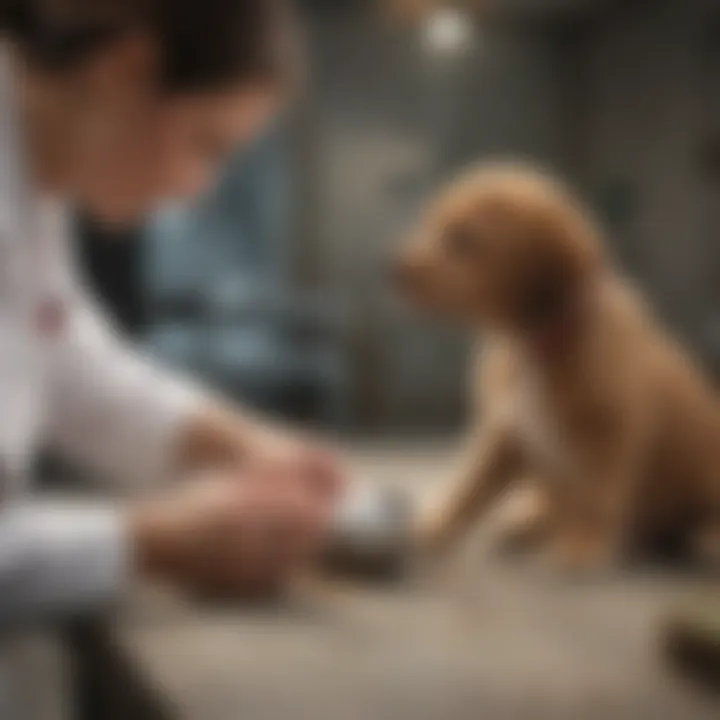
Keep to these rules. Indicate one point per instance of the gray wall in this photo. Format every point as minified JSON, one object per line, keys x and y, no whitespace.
{"x":652,"y":79}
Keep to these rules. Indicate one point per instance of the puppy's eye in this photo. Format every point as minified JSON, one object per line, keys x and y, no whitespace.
{"x":460,"y":242}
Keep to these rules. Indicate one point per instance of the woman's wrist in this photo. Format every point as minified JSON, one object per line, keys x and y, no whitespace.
{"x":150,"y":541}
{"x":213,"y":436}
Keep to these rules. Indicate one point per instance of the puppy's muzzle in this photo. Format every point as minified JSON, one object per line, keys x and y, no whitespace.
{"x":408,"y":276}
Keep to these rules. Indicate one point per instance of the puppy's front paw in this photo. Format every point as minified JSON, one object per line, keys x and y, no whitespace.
{"x":431,"y":548}
{"x":582,"y":557}
{"x":705,"y":546}
{"x":524,"y":524}
{"x":434,"y":548}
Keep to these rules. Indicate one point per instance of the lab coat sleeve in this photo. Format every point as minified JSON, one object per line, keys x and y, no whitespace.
{"x":58,"y":560}
{"x":111,"y":410}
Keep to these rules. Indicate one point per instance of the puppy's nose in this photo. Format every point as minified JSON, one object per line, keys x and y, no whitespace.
{"x":405,"y":274}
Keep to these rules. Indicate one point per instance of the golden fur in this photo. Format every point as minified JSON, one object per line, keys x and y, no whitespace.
{"x":577,"y":383}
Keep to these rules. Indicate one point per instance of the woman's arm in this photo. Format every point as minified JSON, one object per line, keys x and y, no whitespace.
{"x":216,"y":535}
{"x":118,"y":414}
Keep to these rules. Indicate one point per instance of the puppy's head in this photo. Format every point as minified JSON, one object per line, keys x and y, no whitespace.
{"x":505,"y":246}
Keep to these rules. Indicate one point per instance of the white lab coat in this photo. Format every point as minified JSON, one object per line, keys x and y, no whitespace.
{"x":67,"y":381}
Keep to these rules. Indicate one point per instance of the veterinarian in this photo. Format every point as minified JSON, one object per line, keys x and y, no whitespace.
{"x":118,"y":106}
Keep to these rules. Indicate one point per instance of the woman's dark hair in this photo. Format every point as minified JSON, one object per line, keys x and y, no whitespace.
{"x":204,"y":44}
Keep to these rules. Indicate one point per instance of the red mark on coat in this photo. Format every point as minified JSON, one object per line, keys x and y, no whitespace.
{"x":51,"y":317}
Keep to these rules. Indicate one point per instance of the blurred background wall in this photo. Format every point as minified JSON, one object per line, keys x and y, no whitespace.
{"x":277,"y":288}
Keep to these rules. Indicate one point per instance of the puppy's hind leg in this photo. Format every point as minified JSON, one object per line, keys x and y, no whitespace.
{"x":705,"y":547}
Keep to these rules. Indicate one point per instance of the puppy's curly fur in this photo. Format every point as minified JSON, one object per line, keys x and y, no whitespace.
{"x":578,"y":383}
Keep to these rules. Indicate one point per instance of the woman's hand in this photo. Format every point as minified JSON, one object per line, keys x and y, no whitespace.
{"x":318,"y":467}
{"x":222,"y":537}
{"x":218,"y":436}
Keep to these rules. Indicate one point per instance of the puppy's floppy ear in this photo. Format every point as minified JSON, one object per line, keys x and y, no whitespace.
{"x":562,"y":259}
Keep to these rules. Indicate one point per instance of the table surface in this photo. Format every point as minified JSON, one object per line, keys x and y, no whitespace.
{"x":494,"y":640}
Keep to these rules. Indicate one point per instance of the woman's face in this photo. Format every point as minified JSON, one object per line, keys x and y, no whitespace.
{"x":136,"y":148}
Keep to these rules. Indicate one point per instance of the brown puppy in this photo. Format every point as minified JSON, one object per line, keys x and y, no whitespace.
{"x":578,"y":384}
